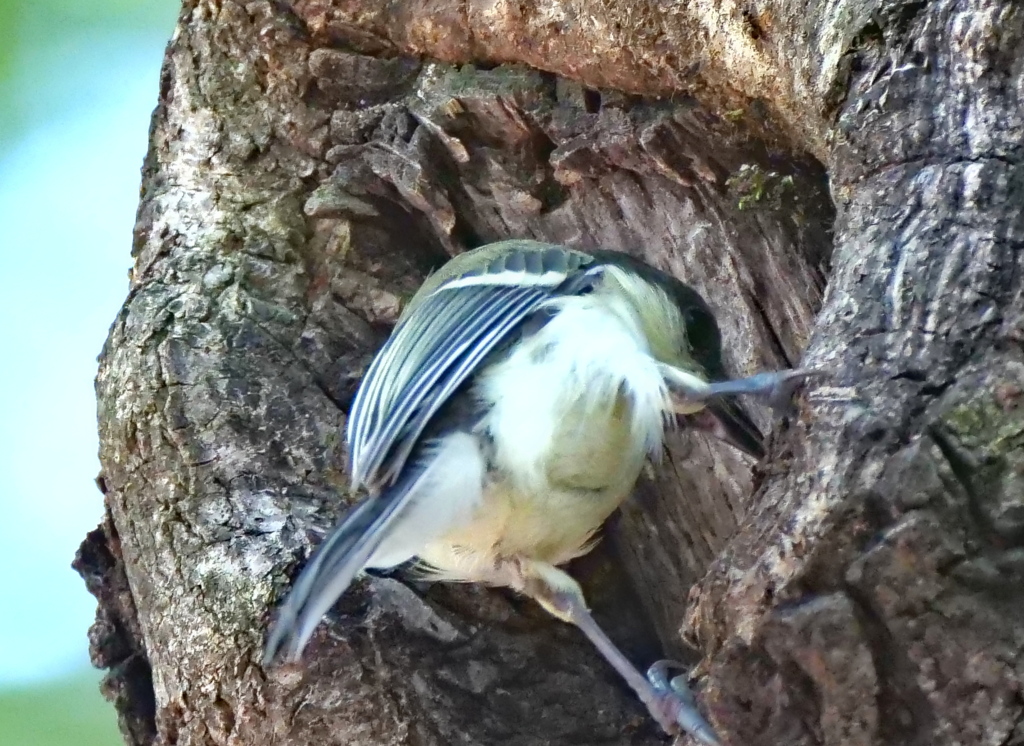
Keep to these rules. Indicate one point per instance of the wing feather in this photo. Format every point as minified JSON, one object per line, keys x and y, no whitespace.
{"x":439,"y":345}
{"x":449,"y":353}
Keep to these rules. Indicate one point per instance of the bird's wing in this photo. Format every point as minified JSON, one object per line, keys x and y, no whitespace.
{"x":450,"y":327}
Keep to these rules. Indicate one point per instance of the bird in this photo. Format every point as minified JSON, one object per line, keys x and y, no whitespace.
{"x":507,"y":416}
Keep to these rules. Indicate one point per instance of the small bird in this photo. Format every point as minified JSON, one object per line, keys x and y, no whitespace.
{"x":507,"y":416}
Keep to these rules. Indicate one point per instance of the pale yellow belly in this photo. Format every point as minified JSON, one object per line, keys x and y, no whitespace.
{"x":568,"y":428}
{"x":509,"y":524}
{"x":551,"y":528}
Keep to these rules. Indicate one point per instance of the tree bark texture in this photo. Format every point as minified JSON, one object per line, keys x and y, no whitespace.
{"x":310,"y":162}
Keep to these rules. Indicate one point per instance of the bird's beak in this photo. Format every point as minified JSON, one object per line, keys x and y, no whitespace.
{"x":724,"y":419}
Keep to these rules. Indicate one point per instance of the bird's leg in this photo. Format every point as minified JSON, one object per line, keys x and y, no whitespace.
{"x":775,"y":387}
{"x":669,"y":701}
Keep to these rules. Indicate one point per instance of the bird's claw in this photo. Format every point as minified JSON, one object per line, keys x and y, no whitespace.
{"x":781,"y":394}
{"x":677,"y":703}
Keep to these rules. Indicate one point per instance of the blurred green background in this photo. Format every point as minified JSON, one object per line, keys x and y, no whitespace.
{"x":78,"y":81}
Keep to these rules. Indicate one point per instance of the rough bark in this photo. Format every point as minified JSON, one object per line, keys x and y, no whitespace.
{"x":310,"y":162}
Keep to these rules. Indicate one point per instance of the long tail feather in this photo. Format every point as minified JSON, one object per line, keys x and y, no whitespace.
{"x":333,"y":566}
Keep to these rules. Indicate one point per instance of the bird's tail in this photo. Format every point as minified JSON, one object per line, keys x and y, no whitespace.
{"x":333,"y":566}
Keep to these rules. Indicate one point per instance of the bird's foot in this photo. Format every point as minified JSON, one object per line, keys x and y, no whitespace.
{"x":669,"y":700}
{"x":775,"y":387}
{"x":674,"y":705}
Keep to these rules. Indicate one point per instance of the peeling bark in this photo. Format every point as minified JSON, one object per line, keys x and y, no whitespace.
{"x":311,"y":162}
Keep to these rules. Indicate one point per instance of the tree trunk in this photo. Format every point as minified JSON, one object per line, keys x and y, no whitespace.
{"x":310,"y":162}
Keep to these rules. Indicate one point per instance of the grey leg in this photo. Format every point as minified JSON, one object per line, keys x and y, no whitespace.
{"x":669,"y":701}
{"x":775,"y":387}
